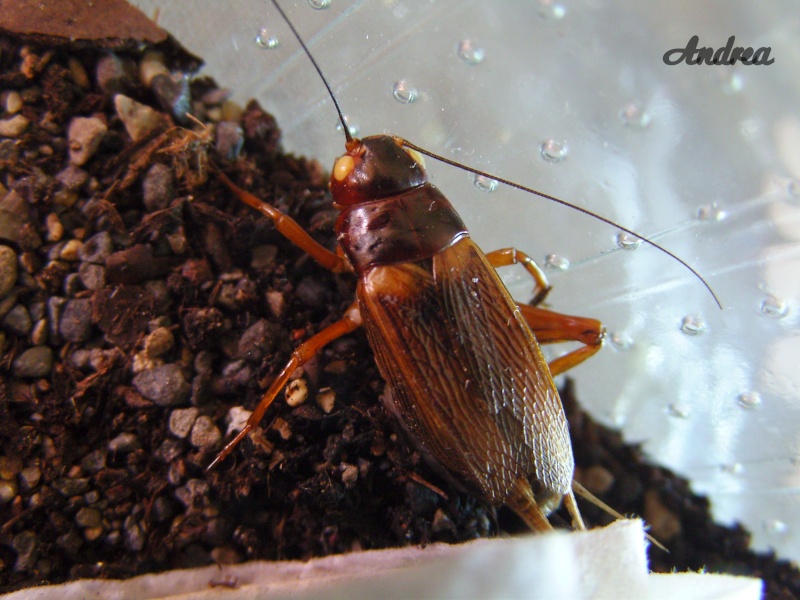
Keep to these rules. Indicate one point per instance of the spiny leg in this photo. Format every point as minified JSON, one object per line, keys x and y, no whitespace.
{"x":289,"y":228}
{"x":301,"y":355}
{"x":511,"y":256}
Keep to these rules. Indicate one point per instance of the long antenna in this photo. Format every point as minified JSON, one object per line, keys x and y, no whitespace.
{"x":345,"y":128}
{"x":518,"y":186}
{"x":584,"y":211}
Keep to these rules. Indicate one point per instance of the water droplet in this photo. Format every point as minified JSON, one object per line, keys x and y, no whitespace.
{"x":634,"y":116}
{"x":749,"y":400}
{"x":773,"y":307}
{"x":265,"y":40}
{"x":551,"y":10}
{"x":693,"y":325}
{"x":351,"y":127}
{"x":711,"y":212}
{"x":484,"y":184}
{"x":556,"y":262}
{"x":627,"y":242}
{"x":470,"y":52}
{"x":776,"y":526}
{"x":553,"y":151}
{"x":732,"y":468}
{"x":793,"y":189}
{"x":404,"y":92}
{"x":679,"y":411}
{"x":319,"y":4}
{"x":621,"y":341}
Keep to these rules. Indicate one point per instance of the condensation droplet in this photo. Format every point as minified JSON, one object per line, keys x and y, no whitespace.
{"x":553,"y":151}
{"x":351,"y":127}
{"x":404,"y":93}
{"x":773,"y":307}
{"x":776,"y":526}
{"x":484,"y":184}
{"x":711,"y":212}
{"x":265,"y":40}
{"x":732,"y":468}
{"x":749,"y":400}
{"x":556,"y":262}
{"x":621,"y":341}
{"x":627,"y":242}
{"x":551,"y":10}
{"x":693,"y":325}
{"x":470,"y":52}
{"x":634,"y":116}
{"x":793,"y":190}
{"x":679,"y":411}
{"x":319,"y":4}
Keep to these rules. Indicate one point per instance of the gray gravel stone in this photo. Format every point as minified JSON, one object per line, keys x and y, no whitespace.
{"x":181,"y":421}
{"x":124,"y":442}
{"x":8,"y":270}
{"x":92,"y":276}
{"x":97,"y":248}
{"x":34,"y":362}
{"x":8,"y":490}
{"x":76,"y":321}
{"x":94,"y":461}
{"x":26,"y":543}
{"x":18,"y":321}
{"x":205,"y":434}
{"x":84,"y":135}
{"x":72,"y":177}
{"x":158,"y":187}
{"x":164,"y":385}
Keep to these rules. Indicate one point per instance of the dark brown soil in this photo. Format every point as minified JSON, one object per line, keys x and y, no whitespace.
{"x":148,"y":303}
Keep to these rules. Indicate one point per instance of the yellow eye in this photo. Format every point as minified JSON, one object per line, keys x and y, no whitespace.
{"x":343,"y":167}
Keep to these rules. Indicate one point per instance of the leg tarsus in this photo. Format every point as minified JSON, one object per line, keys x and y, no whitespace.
{"x":511,"y":256}
{"x":301,"y":355}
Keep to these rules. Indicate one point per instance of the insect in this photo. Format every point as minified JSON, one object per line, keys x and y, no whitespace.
{"x":463,"y":360}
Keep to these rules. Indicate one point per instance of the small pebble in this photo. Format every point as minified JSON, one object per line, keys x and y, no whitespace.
{"x":113,"y":74}
{"x":134,"y":535}
{"x":26,"y":543}
{"x":164,"y":385}
{"x":13,"y":102}
{"x":88,"y":517}
{"x":173,"y":94}
{"x":39,"y":333}
{"x":84,"y":135}
{"x":97,"y":248}
{"x":29,"y":478}
{"x":230,"y":139}
{"x":152,"y":64}
{"x":194,"y":493}
{"x":205,"y":434}
{"x":181,"y":421}
{"x":78,"y":73}
{"x":92,"y":276}
{"x":124,"y":442}
{"x":13,"y":126}
{"x":34,"y":363}
{"x":442,"y":522}
{"x":69,"y":487}
{"x":18,"y":321}
{"x":296,"y":392}
{"x":350,"y":475}
{"x":55,"y":230}
{"x":76,"y":320}
{"x":158,"y":188}
{"x":71,"y":250}
{"x":326,"y":398}
{"x":237,"y":419}
{"x":72,"y":177}
{"x":8,"y":490}
{"x":8,"y":270}
{"x":139,"y":119}
{"x":159,"y":342}
{"x":282,"y":427}
{"x":94,"y":462}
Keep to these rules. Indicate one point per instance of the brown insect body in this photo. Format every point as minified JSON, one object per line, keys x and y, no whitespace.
{"x":466,"y":373}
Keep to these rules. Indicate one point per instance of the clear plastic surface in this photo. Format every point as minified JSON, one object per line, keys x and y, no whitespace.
{"x":573,"y":98}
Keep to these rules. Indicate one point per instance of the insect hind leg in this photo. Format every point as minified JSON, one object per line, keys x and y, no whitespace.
{"x":511,"y":256}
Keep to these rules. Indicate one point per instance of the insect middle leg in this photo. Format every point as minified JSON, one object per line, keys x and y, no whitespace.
{"x":551,"y":327}
{"x":301,"y":355}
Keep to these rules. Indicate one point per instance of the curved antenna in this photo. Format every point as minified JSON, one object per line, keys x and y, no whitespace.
{"x":349,"y":138}
{"x":585,"y":211}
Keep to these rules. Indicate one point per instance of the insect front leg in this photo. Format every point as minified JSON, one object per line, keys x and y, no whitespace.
{"x":289,"y":228}
{"x":301,"y":355}
{"x":548,"y":326}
